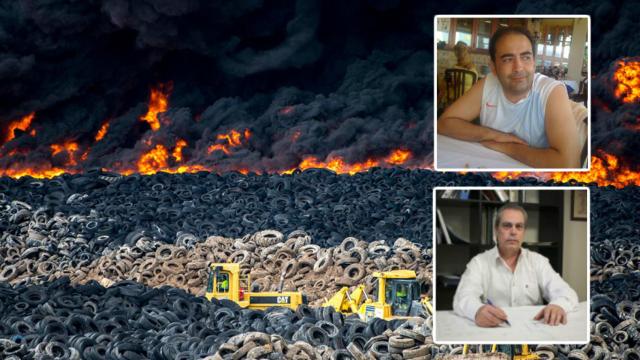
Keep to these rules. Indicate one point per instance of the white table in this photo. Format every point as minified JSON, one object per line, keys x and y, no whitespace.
{"x":451,"y":328}
{"x":461,"y":155}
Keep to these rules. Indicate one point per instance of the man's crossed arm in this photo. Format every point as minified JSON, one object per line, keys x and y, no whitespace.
{"x":560,"y":128}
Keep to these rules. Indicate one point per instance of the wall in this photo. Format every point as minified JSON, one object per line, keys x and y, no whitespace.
{"x":575,"y":253}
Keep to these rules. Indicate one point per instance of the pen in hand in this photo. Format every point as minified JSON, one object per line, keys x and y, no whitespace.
{"x":490,"y":303}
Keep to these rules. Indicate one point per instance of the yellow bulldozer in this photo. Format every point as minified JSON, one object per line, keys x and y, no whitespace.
{"x":518,"y":352}
{"x":398,"y":296}
{"x":226,"y":282}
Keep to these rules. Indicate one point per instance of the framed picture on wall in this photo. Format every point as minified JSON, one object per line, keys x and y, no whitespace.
{"x":579,"y":205}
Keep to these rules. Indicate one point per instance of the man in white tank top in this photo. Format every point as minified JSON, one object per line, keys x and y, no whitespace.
{"x":522,"y":114}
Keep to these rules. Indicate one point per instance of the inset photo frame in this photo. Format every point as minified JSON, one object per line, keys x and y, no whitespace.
{"x":515,"y":252}
{"x":512,"y":92}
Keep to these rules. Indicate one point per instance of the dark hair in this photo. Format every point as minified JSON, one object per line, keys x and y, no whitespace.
{"x":510,"y":206}
{"x":502,"y":31}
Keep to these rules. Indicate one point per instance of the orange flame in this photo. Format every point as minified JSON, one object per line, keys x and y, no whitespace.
{"x":36,"y":172}
{"x":339,"y":166}
{"x":102,"y":131}
{"x":21,"y":124}
{"x":157,"y":160}
{"x":605,"y":170}
{"x":231,"y":140}
{"x":186,"y":169}
{"x":158,"y":103}
{"x":70,"y":147}
{"x":398,"y":157}
{"x":628,"y":77}
{"x":154,"y":160}
{"x":44,"y":170}
{"x":177,"y":151}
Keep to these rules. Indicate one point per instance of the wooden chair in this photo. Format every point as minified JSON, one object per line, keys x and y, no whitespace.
{"x":457,"y":80}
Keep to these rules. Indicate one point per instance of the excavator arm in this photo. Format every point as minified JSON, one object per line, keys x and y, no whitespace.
{"x":345,"y":302}
{"x":426,"y":303}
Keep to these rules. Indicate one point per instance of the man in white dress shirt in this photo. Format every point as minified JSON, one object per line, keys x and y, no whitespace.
{"x":509,"y":276}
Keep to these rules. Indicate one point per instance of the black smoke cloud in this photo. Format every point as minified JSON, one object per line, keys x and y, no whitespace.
{"x":314,"y":78}
{"x":350,"y":88}
{"x":614,"y":29}
{"x":369,"y":114}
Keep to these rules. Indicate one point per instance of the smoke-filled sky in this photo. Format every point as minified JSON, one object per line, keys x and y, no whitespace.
{"x":318,"y":78}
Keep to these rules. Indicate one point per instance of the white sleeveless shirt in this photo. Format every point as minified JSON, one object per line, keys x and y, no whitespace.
{"x":525,"y":119}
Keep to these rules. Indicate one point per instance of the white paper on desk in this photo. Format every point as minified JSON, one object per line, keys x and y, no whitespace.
{"x":451,"y":328}
{"x":458,"y":154}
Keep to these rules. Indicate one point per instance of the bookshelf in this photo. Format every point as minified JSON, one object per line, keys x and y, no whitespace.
{"x":469,"y":218}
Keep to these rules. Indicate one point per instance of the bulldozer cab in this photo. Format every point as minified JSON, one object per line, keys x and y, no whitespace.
{"x":398,"y":292}
{"x":226,"y":282}
{"x":218,"y":280}
{"x":400,"y":295}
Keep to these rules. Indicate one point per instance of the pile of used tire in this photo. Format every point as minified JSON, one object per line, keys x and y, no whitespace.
{"x":104,"y":210}
{"x":380,"y":204}
{"x":615,"y":230}
{"x":163,"y":229}
{"x":615,"y":322}
{"x":272,"y":261}
{"x":128,"y":320}
{"x":311,"y":342}
{"x":131,"y":321}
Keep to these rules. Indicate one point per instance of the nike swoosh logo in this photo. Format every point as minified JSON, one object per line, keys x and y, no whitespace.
{"x":491,"y":105}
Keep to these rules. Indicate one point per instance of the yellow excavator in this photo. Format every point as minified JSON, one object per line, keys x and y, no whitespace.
{"x":524,"y":353}
{"x":226,"y":282}
{"x":398,"y":297}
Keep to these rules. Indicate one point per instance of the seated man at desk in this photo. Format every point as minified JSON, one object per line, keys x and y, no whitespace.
{"x":509,"y":276}
{"x":523,"y":114}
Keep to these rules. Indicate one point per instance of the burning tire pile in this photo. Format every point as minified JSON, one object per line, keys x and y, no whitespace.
{"x":101,"y":266}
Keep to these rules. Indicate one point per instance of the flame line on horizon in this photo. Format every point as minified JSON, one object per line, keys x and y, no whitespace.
{"x":606,"y":169}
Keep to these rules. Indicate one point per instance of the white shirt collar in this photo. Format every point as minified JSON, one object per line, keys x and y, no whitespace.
{"x":495,"y":254}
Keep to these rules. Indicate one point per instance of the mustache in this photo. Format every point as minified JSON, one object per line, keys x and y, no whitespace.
{"x":518,"y":74}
